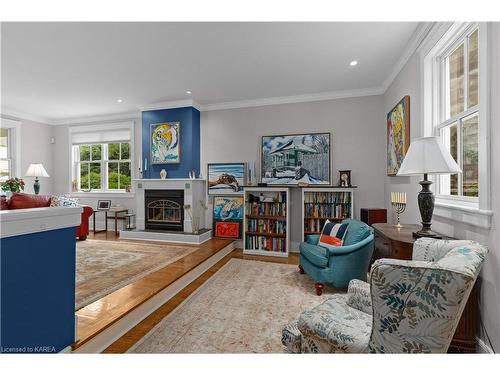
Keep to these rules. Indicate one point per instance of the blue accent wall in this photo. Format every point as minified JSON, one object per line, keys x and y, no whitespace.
{"x":37,"y":275}
{"x":189,"y":118}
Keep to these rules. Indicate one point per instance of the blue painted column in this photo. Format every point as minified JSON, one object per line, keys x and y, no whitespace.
{"x":189,"y":118}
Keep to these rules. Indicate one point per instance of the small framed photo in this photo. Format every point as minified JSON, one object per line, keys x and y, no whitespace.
{"x":103,"y":205}
{"x":345,"y":178}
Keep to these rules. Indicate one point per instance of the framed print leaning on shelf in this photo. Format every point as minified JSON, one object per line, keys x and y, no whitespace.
{"x":165,"y":140}
{"x":295,"y":159}
{"x":226,"y":178}
{"x":228,"y":216}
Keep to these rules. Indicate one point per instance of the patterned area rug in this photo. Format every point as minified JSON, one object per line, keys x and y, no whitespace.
{"x":104,"y":266}
{"x":241,"y":309}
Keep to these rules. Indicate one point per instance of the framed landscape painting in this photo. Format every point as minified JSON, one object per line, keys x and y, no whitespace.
{"x":296,"y":159}
{"x":228,"y":216}
{"x":398,"y":135}
{"x":226,"y":178}
{"x":165,"y":139}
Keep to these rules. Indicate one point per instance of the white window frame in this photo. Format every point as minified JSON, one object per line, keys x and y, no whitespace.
{"x":96,"y":128}
{"x":14,"y":156}
{"x":103,"y":161}
{"x":442,"y":40}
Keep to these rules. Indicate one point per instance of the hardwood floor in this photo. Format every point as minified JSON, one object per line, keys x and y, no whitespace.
{"x":136,"y":333}
{"x":99,"y":315}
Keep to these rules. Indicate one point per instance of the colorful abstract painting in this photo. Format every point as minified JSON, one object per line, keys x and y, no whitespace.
{"x":165,"y":143}
{"x":296,"y":159}
{"x":228,"y":210}
{"x":226,"y":178}
{"x":227,"y":230}
{"x":398,"y":135}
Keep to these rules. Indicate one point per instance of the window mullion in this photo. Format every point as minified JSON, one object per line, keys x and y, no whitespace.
{"x":104,"y":167}
{"x":466,"y":73}
{"x":459,"y":157}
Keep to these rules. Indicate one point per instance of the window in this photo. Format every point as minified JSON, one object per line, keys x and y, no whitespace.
{"x":101,"y":157}
{"x":5,"y":155}
{"x":102,"y":167}
{"x":458,"y":115}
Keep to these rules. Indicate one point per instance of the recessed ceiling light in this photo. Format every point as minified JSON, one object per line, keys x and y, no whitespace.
{"x":119,"y":100}
{"x":188,"y":92}
{"x":353,"y":63}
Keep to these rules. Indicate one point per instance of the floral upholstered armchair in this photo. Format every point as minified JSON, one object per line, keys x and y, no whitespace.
{"x":407,"y":306}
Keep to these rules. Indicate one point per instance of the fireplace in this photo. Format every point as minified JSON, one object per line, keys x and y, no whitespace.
{"x":164,"y":210}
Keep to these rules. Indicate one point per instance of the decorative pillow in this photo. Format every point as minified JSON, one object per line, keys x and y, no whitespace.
{"x":63,"y":201}
{"x":23,"y":200}
{"x":332,"y":234}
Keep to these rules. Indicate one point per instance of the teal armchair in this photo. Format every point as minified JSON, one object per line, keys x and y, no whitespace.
{"x":339,"y":265}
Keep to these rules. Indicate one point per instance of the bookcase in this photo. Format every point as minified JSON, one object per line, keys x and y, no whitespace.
{"x":266,"y":222}
{"x":321,"y":204}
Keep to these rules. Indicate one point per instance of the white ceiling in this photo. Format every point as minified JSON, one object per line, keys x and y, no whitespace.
{"x":69,"y":70}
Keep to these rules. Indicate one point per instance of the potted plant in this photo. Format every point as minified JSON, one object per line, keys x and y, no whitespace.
{"x":12,"y":185}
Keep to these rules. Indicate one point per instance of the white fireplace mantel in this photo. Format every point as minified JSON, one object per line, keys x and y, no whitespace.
{"x":194,"y":193}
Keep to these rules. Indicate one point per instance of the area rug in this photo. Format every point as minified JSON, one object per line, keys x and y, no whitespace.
{"x":104,"y":266}
{"x":241,"y":309}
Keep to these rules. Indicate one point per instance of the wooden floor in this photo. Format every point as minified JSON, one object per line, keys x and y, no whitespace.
{"x":99,"y":315}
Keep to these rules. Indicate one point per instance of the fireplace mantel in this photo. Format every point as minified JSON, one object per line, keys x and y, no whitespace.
{"x":194,"y":192}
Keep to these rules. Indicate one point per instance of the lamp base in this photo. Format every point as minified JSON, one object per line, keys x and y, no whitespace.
{"x":36,"y":186}
{"x":426,"y":207}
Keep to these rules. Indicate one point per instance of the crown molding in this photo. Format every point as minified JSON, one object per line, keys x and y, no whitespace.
{"x":341,"y":94}
{"x":412,"y":46}
{"x":97,"y":119}
{"x":19,"y":115}
{"x":170,"y":105}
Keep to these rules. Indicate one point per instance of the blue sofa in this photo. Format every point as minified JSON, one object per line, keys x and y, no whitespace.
{"x":342,"y":264}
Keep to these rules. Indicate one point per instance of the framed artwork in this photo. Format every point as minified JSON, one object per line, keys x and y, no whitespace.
{"x":103,"y":205}
{"x":296,"y":159}
{"x":345,"y":178}
{"x":165,"y":139}
{"x":228,"y":216}
{"x":227,"y":229}
{"x":398,"y":135}
{"x":226,"y":178}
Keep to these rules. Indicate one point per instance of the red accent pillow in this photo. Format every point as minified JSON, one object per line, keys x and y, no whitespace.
{"x":22,"y":200}
{"x":5,"y":203}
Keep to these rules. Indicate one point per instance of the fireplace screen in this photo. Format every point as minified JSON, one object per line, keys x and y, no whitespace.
{"x":164,"y":211}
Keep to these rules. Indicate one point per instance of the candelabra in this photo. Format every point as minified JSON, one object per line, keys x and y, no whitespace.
{"x":398,"y":200}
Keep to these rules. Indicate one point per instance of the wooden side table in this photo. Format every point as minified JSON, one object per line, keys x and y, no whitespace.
{"x":115,"y":211}
{"x":391,"y":242}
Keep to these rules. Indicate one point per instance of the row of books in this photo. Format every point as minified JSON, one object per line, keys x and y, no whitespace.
{"x":266,"y":209}
{"x":326,"y":197}
{"x":334,"y":210}
{"x":265,"y":243}
{"x":266,"y":226}
{"x":314,"y":225}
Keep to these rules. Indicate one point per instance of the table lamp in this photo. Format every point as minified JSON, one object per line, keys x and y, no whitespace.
{"x":426,"y":156}
{"x":36,"y":170}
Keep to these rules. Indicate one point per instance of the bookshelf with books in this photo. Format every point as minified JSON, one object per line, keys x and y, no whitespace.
{"x":266,"y":221}
{"x":321,"y":204}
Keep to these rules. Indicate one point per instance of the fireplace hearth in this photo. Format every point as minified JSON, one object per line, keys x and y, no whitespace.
{"x":164,"y":210}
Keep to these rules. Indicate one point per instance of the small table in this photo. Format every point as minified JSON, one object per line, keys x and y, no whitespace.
{"x":115,"y":211}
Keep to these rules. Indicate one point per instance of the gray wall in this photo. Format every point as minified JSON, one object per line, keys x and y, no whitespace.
{"x":36,"y":148}
{"x":408,"y":83}
{"x":358,"y":129}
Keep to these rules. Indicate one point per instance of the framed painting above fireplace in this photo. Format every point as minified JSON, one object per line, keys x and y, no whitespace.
{"x":165,"y":140}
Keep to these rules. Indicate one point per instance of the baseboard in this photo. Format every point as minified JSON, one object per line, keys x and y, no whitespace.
{"x":100,"y":342}
{"x":482,"y":347}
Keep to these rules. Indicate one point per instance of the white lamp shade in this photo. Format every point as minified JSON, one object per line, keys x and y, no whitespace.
{"x":428,"y":155}
{"x":36,"y":170}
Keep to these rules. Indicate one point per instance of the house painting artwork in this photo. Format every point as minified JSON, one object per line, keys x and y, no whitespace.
{"x":226,"y":178}
{"x":296,"y":159}
{"x":165,"y":143}
{"x":398,"y":135}
{"x":228,"y":216}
